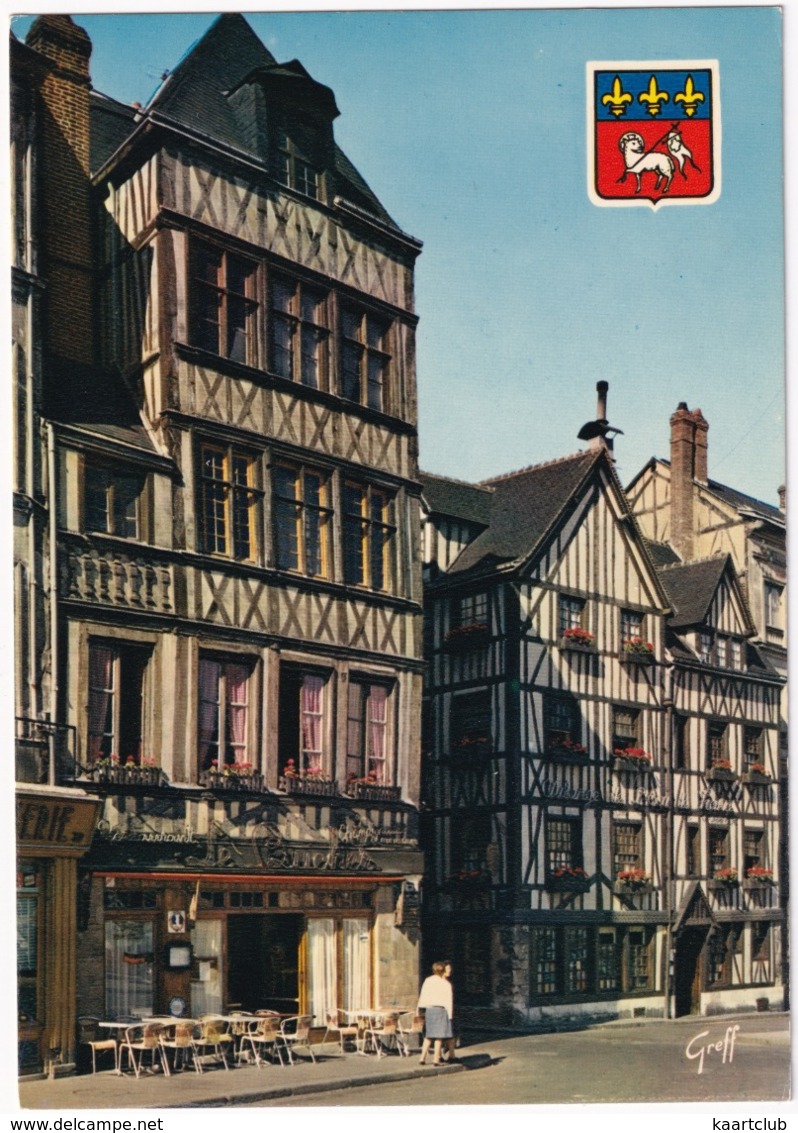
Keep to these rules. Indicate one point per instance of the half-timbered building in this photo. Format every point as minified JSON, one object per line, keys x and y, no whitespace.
{"x":577,"y":743}
{"x":235,"y":588}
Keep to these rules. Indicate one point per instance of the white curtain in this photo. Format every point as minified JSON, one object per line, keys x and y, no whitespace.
{"x":311,"y":712}
{"x":129,"y":966}
{"x":236,"y":676}
{"x":357,"y":964}
{"x":378,"y":700}
{"x":206,"y":992}
{"x":322,"y":995}
{"x":101,"y":661}
{"x":208,"y":712}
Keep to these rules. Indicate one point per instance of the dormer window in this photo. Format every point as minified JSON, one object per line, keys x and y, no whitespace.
{"x":293,"y":169}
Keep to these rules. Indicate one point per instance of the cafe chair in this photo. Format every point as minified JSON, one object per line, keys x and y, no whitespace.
{"x":90,"y":1035}
{"x":409,"y":1033}
{"x":263,"y":1038}
{"x":382,"y":1034}
{"x":143,"y":1038}
{"x":214,"y":1037}
{"x":294,"y":1032}
{"x":340,"y":1026}
{"x":178,"y":1037}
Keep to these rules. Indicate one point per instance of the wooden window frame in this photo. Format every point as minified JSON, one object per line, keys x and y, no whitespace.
{"x":718,"y":848}
{"x":369,"y":531}
{"x":365,"y":348}
{"x":630,"y":983}
{"x":755,"y":848}
{"x":753,"y":745}
{"x":621,"y":739}
{"x":470,"y":721}
{"x":359,"y":764}
{"x":240,"y":752}
{"x":693,"y":850}
{"x":632,"y":625}
{"x":294,"y":170}
{"x":105,"y":480}
{"x":221,"y":292}
{"x":717,"y":741}
{"x":300,"y":328}
{"x":554,"y":734}
{"x":470,"y":609}
{"x":571,"y":613}
{"x":311,"y":521}
{"x":224,"y":499}
{"x":563,"y":851}
{"x":126,"y":698}
{"x":627,"y":845}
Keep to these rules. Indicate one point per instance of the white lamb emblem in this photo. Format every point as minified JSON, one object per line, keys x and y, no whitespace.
{"x":638,"y":162}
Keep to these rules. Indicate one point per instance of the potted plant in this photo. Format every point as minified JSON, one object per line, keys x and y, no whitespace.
{"x":578,"y":638}
{"x":636,"y":651}
{"x":632,"y":759}
{"x":464,"y":637}
{"x":310,"y":781}
{"x":130,"y":771}
{"x":472,"y":743}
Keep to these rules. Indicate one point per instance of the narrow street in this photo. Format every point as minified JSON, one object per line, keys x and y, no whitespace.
{"x":613,"y":1064}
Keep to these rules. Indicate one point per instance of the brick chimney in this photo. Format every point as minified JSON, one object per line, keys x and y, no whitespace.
{"x":64,"y":185}
{"x":688,"y":466}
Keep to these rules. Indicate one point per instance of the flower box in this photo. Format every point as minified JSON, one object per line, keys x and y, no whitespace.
{"x":632,"y":881}
{"x":724,"y":878}
{"x":568,"y":881}
{"x":460,"y":639}
{"x":581,"y":640}
{"x":249,"y":782}
{"x":719,"y":774}
{"x":757,"y":778}
{"x":633,"y":759}
{"x":566,"y":753}
{"x":757,"y":877}
{"x":374,"y":792}
{"x":313,"y":785}
{"x":636,"y":651}
{"x":632,"y":658}
{"x":128,"y":774}
{"x":476,"y":745}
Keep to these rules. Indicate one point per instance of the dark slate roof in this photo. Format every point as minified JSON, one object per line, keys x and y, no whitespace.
{"x":691,"y":588}
{"x":661,"y":554}
{"x":746,"y":503}
{"x":455,"y":498}
{"x":100,"y":403}
{"x":524,"y":506}
{"x":194,"y":96}
{"x":111,"y":123}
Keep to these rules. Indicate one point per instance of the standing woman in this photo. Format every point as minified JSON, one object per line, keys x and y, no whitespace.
{"x":438,"y":1002}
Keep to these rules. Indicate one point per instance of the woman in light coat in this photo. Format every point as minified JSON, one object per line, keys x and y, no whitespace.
{"x":438,"y":1003}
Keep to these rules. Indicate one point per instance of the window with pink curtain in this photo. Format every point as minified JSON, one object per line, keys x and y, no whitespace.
{"x":311,"y":708}
{"x":223,"y":701}
{"x":377,"y":721}
{"x":101,"y":691}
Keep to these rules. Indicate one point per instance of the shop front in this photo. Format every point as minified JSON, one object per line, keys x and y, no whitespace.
{"x":54,"y":830}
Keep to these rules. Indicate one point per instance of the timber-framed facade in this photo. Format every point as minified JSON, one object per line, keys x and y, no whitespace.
{"x":235,"y":589}
{"x":602,"y":804}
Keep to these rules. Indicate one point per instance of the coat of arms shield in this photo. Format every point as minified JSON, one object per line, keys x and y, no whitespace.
{"x":653,"y":132}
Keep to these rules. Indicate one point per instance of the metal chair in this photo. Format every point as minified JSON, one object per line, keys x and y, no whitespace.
{"x":214,"y":1036}
{"x":144,"y":1038}
{"x":382,"y":1034}
{"x":178,"y":1037}
{"x":89,"y":1035}
{"x":294,"y":1032}
{"x":262,"y":1037}
{"x":409,"y":1033}
{"x":340,"y":1024}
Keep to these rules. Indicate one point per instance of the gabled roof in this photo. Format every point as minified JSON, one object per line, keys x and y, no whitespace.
{"x":456,"y":499}
{"x":691,"y":588}
{"x":194,"y":96}
{"x":661,"y":554}
{"x":523,"y":507}
{"x":742,"y":503}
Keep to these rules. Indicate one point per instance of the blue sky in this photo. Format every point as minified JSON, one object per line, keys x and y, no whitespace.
{"x":471,"y":128}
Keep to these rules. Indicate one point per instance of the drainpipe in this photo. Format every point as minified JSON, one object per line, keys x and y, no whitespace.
{"x":670,"y":817}
{"x":52,"y":480}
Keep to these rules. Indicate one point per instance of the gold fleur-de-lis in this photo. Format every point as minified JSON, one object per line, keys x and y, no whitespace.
{"x":653,"y":97}
{"x":617,"y":98}
{"x":690,"y":97}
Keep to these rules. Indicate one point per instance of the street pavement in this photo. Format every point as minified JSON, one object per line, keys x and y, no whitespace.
{"x":640,"y":1061}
